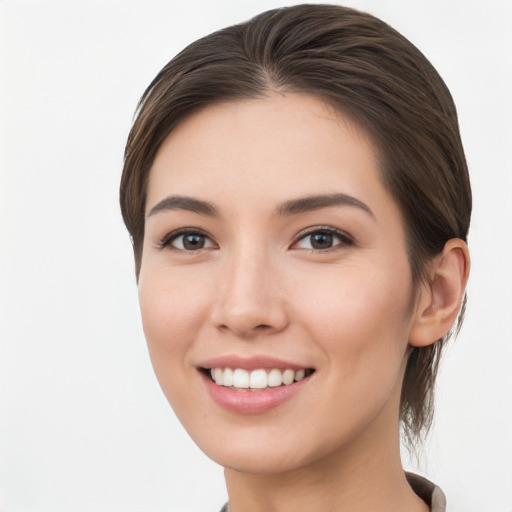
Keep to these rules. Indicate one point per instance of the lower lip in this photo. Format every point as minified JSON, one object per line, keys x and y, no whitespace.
{"x":252,"y":402}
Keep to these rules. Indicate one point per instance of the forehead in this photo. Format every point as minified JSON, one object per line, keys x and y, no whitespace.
{"x":275,"y":147}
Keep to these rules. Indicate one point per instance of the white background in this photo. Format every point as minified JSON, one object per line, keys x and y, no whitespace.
{"x":84,"y":426}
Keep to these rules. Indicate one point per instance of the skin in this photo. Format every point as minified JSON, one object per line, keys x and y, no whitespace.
{"x":258,"y":287}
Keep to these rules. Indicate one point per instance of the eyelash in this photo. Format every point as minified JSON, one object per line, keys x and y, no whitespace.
{"x":344,"y":239}
{"x":174,"y":235}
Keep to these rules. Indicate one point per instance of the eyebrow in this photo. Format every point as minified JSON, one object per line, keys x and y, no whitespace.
{"x":184,"y":203}
{"x":291,"y":207}
{"x":317,"y":202}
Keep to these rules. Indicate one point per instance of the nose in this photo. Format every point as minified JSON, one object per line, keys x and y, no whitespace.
{"x":251,"y":296}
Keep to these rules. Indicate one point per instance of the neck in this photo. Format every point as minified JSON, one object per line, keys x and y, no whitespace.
{"x":367,"y":477}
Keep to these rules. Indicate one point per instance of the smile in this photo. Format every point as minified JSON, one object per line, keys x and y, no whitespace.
{"x":255,"y":384}
{"x":259,"y":379}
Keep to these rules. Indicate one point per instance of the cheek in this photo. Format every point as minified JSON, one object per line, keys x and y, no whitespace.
{"x":171,"y":316}
{"x":172,"y":310}
{"x":360,"y":319}
{"x":360,"y":322}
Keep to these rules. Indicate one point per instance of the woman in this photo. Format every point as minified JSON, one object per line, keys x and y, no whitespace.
{"x":298,"y":199}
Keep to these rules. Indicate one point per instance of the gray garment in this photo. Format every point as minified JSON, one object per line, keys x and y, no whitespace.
{"x":426,"y":490}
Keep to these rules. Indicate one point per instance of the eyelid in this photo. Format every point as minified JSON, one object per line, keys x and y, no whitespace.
{"x":346,"y":239}
{"x":167,"y":240}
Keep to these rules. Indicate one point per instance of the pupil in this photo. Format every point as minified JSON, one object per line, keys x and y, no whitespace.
{"x":193,"y":242}
{"x":321,"y":240}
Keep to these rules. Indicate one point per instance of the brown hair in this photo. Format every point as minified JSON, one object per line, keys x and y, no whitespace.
{"x":366,"y":70}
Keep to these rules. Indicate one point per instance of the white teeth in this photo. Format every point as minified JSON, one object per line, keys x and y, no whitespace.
{"x":218,"y":376}
{"x":256,"y":379}
{"x":274,"y":378}
{"x":288,"y":376}
{"x":299,"y":375}
{"x":227,"y":379}
{"x":240,"y":378}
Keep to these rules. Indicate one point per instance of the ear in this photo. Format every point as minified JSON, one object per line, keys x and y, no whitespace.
{"x":440,"y":299}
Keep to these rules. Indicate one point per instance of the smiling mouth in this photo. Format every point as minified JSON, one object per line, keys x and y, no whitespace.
{"x":256,"y":380}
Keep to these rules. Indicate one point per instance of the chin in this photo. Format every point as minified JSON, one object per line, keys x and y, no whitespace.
{"x":257,"y":461}
{"x":272,"y":450}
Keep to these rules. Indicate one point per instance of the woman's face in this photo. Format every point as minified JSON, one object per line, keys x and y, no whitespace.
{"x":273,"y":250}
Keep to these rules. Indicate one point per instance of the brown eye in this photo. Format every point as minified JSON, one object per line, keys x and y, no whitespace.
{"x":188,"y":241}
{"x":322,"y":239}
{"x":193,"y":242}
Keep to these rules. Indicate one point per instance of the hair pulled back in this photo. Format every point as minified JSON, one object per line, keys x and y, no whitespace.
{"x":368,"y":71}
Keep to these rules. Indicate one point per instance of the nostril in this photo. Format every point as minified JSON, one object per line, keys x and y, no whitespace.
{"x":246,"y":306}
{"x":246,"y":328}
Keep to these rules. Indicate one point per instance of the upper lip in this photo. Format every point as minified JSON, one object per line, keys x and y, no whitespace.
{"x":255,"y":362}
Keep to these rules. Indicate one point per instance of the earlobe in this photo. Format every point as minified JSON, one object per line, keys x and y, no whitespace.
{"x":441,"y":298}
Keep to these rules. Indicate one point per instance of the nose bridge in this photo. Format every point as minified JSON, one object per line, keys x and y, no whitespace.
{"x":249,"y":298}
